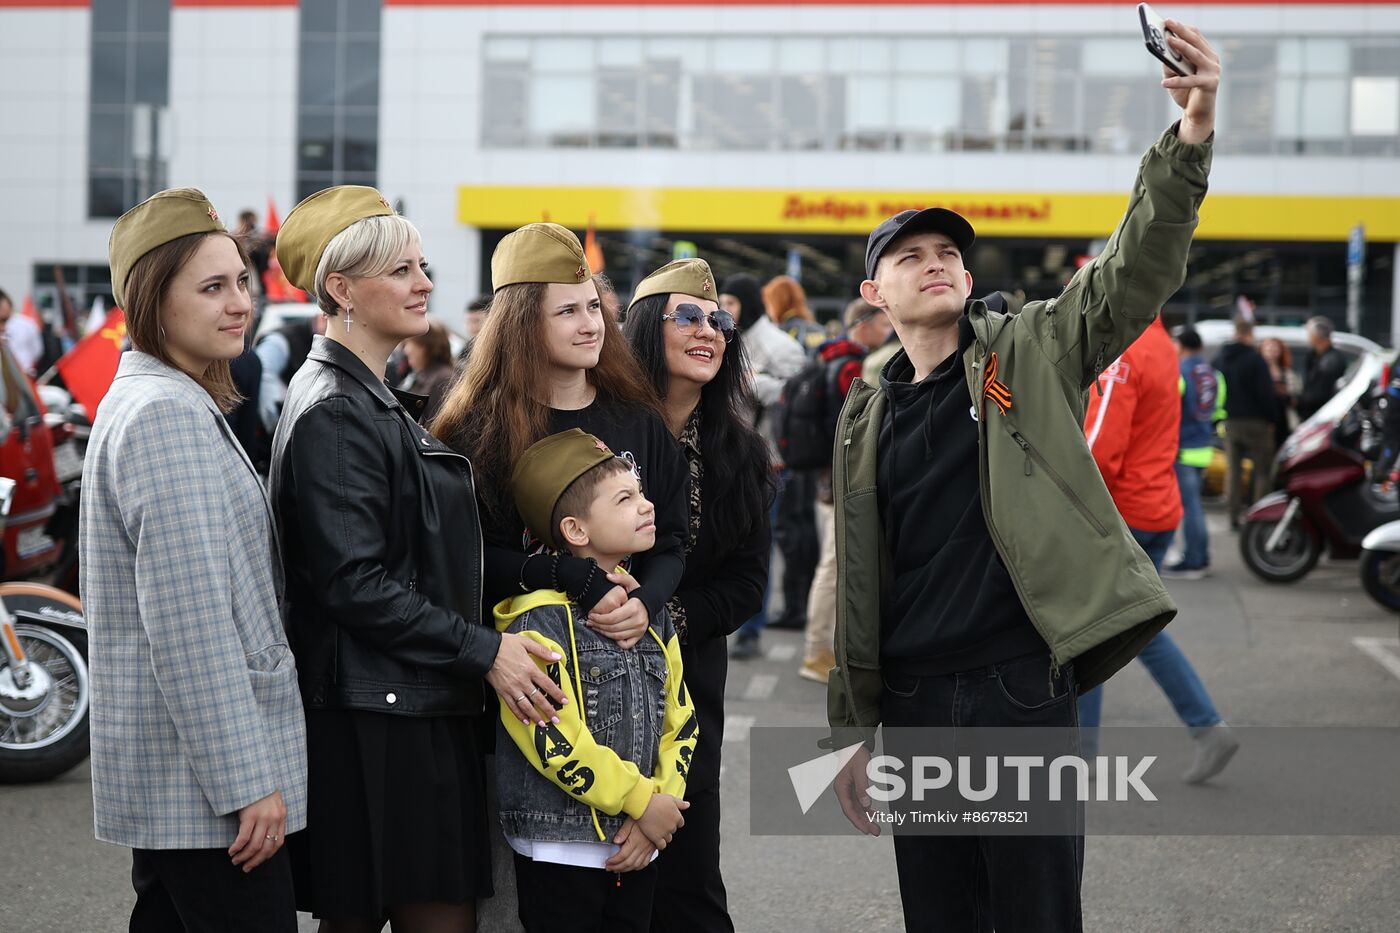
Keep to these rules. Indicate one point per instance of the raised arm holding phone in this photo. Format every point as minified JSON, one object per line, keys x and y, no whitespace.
{"x":1018,"y":585}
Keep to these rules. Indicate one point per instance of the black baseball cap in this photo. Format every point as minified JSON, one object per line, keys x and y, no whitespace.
{"x":931,"y":219}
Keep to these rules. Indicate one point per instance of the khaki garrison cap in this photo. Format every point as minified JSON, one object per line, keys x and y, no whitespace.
{"x":161,"y":218}
{"x":546,"y":470}
{"x":313,"y":223}
{"x":679,"y":277}
{"x":539,"y":253}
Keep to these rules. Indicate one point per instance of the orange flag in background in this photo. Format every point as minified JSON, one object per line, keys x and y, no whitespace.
{"x":29,"y":311}
{"x":591,"y":249}
{"x":89,"y":368}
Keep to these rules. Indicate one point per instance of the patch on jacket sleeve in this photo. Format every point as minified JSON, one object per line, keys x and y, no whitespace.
{"x":993,"y":388}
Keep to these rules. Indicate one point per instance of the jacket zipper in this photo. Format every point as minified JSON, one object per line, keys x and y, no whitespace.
{"x":1034,"y":455}
{"x":1098,"y":368}
{"x":476,"y":515}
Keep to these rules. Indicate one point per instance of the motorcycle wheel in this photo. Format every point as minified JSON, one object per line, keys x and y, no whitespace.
{"x":43,"y":736}
{"x":1380,"y":575}
{"x":1297,"y":553}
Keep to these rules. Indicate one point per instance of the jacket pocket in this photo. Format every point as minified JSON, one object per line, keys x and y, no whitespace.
{"x":603,"y":680}
{"x":1034,"y":456}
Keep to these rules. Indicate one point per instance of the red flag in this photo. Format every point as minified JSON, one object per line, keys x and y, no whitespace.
{"x":29,"y":311}
{"x":274,"y":223}
{"x":591,"y":249}
{"x":89,"y":368}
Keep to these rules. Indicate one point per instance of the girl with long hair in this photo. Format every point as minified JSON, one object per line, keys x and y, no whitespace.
{"x":693,"y":354}
{"x":198,"y":739}
{"x":548,"y":359}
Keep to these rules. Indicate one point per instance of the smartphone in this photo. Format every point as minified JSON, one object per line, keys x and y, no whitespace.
{"x":1154,"y":34}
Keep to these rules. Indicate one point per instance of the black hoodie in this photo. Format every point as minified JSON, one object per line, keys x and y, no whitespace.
{"x":1249,"y":388}
{"x":951,"y":606}
{"x":745,"y":288}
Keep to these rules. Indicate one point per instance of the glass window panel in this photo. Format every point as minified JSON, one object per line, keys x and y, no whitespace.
{"x":733,"y":111}
{"x":316,"y":71}
{"x":1327,"y":56}
{"x":503,"y":105}
{"x":361,"y":79}
{"x":1375,"y":58}
{"x":619,"y":109}
{"x":847,"y":56}
{"x":562,"y":55}
{"x":507,"y":50}
{"x":360,"y":16}
{"x":983,"y":111}
{"x":625,"y":53}
{"x":557,"y":107}
{"x":152,"y":84}
{"x":800,"y":56}
{"x":320,"y":16}
{"x":1290,"y":56}
{"x":107,"y":196}
{"x":661,"y":103}
{"x":1250,"y":56}
{"x":694,"y":53}
{"x":984,"y":56}
{"x":1117,"y":57}
{"x":359,"y":147}
{"x":316,"y":142}
{"x":750,"y":56}
{"x":109,"y":139}
{"x":871,"y":100}
{"x":1288,"y":107}
{"x":936,"y":55}
{"x":1324,"y":108}
{"x":1249,"y":113}
{"x":111,"y":16}
{"x":800,"y":118}
{"x":153,"y":16}
{"x":925,"y":104}
{"x":1116,"y":113}
{"x":308,"y":183}
{"x":1375,"y":106}
{"x":109,"y":68}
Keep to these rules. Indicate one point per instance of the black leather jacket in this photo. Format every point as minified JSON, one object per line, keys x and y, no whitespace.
{"x":382,"y":548}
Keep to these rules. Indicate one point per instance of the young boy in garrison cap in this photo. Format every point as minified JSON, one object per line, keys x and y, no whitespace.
{"x":596,"y":792}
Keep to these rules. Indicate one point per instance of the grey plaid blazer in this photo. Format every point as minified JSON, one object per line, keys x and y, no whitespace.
{"x":195,"y":707}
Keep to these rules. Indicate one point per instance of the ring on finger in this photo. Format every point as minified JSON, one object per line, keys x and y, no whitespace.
{"x":519,"y":698}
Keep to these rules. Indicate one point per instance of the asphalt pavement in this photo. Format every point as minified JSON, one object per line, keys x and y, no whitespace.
{"x":1317,"y":652}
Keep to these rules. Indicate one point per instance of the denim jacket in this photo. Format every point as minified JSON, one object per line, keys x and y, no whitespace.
{"x":627,"y":732}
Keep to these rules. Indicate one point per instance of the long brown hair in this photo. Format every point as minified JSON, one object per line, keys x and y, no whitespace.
{"x":495,"y":411}
{"x":147,"y":286}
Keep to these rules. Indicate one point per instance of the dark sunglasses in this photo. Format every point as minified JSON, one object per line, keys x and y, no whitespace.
{"x":689,"y":316}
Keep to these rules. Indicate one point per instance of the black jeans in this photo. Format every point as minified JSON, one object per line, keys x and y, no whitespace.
{"x":798,"y":542}
{"x":195,"y":890}
{"x":690,"y":894}
{"x":582,"y":900}
{"x":1015,"y":884}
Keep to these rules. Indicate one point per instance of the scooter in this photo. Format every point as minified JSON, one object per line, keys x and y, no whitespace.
{"x":44,"y":690}
{"x":1380,"y":565}
{"x":1328,"y":500}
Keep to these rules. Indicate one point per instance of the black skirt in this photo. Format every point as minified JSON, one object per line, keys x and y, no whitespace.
{"x":396,"y":814}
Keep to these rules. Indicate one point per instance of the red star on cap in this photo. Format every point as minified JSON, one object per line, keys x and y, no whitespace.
{"x":213,"y":214}
{"x":581,"y":274}
{"x":384,"y":201}
{"x":601,"y":446}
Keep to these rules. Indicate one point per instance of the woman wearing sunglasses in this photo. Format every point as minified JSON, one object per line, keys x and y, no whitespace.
{"x":694,"y":356}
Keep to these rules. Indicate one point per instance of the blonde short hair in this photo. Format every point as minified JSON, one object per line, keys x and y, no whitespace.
{"x":366,"y":248}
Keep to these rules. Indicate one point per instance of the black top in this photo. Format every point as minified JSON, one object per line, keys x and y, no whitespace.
{"x":380,"y":540}
{"x":640,"y":437}
{"x":722,"y":587}
{"x":1249,"y":388}
{"x":1320,"y":383}
{"x":951,"y":606}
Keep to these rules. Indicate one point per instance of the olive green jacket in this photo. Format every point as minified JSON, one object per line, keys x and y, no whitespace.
{"x":1088,"y":588}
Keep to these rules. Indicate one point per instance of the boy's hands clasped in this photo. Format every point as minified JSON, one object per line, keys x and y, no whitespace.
{"x":662,"y":818}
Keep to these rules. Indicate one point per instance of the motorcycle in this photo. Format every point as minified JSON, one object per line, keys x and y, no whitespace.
{"x":44,"y":690}
{"x":1329,"y":499}
{"x":1380,"y":565}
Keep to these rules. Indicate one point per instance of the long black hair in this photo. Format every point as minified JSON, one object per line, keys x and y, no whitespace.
{"x":737,"y":468}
